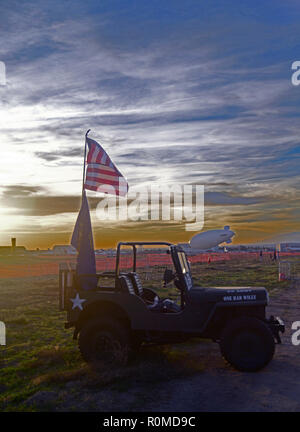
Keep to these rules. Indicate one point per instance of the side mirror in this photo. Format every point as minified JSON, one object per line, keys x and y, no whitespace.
{"x":169,"y":276}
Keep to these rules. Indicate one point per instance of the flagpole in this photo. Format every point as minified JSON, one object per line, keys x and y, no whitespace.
{"x":84,"y":160}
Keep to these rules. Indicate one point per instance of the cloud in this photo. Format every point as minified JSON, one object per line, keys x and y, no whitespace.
{"x":17,"y":191}
{"x":286,"y":237}
{"x":59,"y":154}
{"x":175,"y":95}
{"x":218,"y":198}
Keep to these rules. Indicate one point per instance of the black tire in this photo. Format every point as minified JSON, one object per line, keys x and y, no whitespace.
{"x":247,"y":344}
{"x":104,"y":343}
{"x":136,"y":341}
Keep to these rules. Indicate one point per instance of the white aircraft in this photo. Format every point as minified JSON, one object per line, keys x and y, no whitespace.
{"x":209,"y":239}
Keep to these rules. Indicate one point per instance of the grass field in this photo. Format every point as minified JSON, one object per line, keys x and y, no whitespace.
{"x":41,"y":368}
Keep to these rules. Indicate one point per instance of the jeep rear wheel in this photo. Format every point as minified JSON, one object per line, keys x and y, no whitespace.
{"x":104,"y":343}
{"x":247,"y":344}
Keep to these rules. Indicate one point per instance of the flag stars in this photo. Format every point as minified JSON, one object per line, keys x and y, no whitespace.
{"x":77,"y":302}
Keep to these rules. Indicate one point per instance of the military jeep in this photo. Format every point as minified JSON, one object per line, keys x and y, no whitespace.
{"x":112,"y":322}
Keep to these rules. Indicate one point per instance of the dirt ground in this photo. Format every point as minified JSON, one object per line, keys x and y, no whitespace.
{"x":217,"y":387}
{"x":41,"y":369}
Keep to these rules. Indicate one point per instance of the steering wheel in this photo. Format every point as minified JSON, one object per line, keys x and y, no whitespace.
{"x":169,"y":276}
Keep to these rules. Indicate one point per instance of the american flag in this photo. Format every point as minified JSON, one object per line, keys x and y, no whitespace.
{"x":102,"y":175}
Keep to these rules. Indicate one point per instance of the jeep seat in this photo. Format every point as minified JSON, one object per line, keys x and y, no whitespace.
{"x":137,"y":284}
{"x":158,"y":305}
{"x":126,"y":284}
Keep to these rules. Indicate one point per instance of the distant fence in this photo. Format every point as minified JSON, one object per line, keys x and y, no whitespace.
{"x":289,"y":270}
{"x":50,"y":266}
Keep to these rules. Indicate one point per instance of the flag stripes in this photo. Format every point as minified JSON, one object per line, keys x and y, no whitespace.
{"x":102,"y":175}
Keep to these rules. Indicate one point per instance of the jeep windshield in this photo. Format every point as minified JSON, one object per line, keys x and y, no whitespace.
{"x":185,"y":268}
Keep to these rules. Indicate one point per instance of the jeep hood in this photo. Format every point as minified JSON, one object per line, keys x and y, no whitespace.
{"x":229,"y":295}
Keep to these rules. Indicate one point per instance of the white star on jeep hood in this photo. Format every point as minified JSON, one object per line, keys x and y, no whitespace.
{"x":77,"y":302}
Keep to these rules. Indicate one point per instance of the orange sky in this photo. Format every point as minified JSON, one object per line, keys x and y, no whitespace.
{"x":106,"y":237}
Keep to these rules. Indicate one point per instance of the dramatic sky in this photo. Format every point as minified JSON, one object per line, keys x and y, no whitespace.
{"x":178,"y":92}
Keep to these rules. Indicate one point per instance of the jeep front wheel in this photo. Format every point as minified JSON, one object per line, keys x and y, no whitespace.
{"x":104,"y":343}
{"x":247,"y":344}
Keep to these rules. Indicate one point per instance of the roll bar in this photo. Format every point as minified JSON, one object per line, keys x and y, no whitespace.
{"x":134,"y":245}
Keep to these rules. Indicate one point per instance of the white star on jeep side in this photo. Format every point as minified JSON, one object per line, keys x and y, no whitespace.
{"x":77,"y":302}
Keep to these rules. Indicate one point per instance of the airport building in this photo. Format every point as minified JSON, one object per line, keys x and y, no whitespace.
{"x":252,"y":247}
{"x":63,"y":250}
{"x":289,"y":247}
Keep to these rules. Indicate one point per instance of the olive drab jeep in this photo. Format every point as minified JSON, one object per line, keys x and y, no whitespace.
{"x":112,"y":322}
